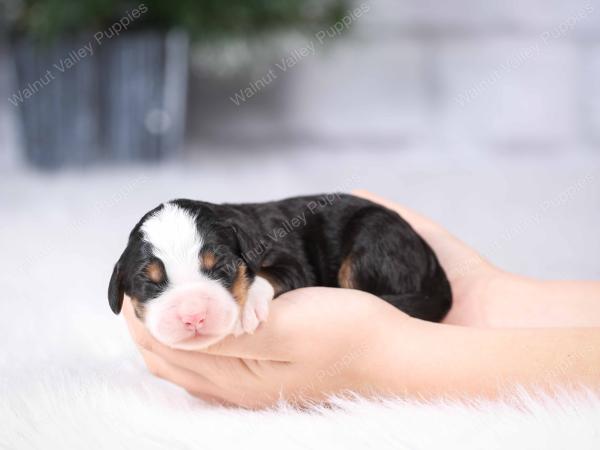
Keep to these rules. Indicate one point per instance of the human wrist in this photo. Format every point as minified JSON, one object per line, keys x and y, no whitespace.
{"x":518,"y":301}
{"x":473,"y":301}
{"x":390,"y":354}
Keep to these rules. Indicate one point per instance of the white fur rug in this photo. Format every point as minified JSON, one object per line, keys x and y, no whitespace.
{"x":71,"y":379}
{"x":122,"y":408}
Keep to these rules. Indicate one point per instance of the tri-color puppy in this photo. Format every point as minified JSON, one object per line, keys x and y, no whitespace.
{"x":197,"y":272}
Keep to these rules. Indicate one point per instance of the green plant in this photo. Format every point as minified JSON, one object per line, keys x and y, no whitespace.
{"x":204,"y":19}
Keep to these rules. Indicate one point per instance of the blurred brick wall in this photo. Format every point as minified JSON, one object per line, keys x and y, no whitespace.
{"x":497,"y":74}
{"x":466,"y":75}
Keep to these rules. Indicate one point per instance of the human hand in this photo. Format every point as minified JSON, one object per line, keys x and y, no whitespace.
{"x":323,"y":341}
{"x":485,"y":296}
{"x":471,"y":276}
{"x":317,"y":342}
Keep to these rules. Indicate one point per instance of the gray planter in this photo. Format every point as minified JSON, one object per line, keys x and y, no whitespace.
{"x":122,"y":101}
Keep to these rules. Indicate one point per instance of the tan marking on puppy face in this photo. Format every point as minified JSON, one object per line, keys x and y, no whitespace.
{"x":155,"y":272}
{"x":208,"y":259}
{"x":345,"y":274}
{"x":138,"y":308}
{"x":240,"y":285}
{"x":278,"y":290}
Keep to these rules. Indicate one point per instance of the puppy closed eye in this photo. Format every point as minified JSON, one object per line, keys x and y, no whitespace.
{"x":217,"y":263}
{"x":208,"y":259}
{"x":155,"y":272}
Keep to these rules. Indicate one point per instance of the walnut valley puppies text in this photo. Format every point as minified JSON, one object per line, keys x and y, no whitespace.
{"x":286,"y":227}
{"x":196,"y":271}
{"x":75,"y":56}
{"x":298,"y":54}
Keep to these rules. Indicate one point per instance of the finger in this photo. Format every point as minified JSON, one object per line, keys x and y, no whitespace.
{"x":227,"y":393}
{"x":139,"y":333}
{"x":295,"y":318}
{"x":274,"y":340}
{"x":221,"y":370}
{"x":270,"y":342}
{"x":192,"y":382}
{"x":297,"y":324}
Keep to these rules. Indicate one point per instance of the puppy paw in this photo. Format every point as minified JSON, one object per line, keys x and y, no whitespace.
{"x":256,"y":309}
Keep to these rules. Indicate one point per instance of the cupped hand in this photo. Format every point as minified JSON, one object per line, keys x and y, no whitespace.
{"x":317,"y":342}
{"x":471,"y":276}
{"x":486,"y":297}
{"x":323,"y":341}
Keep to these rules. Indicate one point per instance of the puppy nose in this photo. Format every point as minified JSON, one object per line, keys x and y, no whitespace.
{"x":193,"y":321}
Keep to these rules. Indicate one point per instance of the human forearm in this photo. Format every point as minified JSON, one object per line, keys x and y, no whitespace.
{"x":505,"y":300}
{"x":432,"y":360}
{"x":515,"y":301}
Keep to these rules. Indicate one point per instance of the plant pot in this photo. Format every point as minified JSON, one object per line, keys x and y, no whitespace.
{"x":121,"y":99}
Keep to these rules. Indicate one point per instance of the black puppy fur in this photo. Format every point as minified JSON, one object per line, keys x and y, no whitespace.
{"x":335,"y":240}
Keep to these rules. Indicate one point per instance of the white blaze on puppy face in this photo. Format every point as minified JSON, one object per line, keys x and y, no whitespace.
{"x":194,"y":310}
{"x":175,"y":239}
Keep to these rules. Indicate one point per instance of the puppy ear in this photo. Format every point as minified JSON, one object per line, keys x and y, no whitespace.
{"x":252,"y":252}
{"x":116,"y":291}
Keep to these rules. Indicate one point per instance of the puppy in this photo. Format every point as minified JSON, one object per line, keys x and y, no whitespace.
{"x":197,"y":272}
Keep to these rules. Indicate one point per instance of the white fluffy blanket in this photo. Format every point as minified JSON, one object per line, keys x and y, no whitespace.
{"x":122,"y":407}
{"x":71,"y":379}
